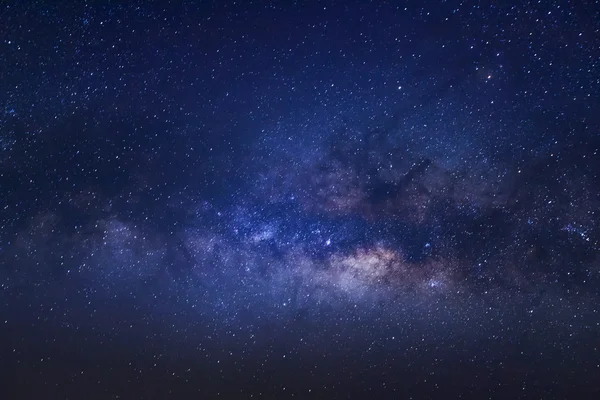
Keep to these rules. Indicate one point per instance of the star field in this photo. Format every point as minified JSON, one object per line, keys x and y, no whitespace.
{"x":300,"y":199}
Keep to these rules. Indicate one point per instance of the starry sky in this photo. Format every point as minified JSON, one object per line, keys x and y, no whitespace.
{"x":300,"y":199}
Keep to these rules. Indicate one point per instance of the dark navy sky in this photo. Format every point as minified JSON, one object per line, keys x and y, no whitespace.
{"x":300,"y":199}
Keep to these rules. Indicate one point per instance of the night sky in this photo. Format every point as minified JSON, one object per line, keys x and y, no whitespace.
{"x":300,"y":199}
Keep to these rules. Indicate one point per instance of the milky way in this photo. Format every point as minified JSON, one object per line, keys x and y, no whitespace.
{"x":309,"y":200}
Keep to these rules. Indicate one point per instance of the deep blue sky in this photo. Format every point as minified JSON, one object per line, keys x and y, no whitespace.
{"x":307,"y":199}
